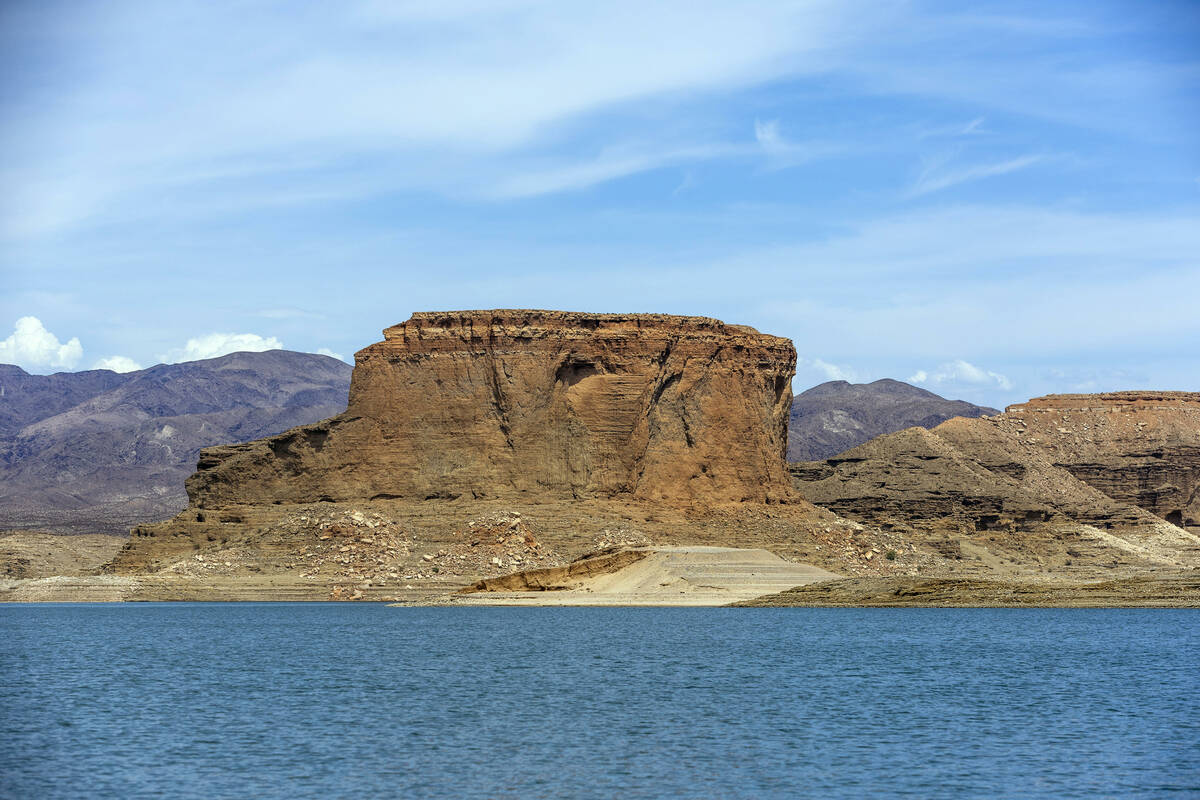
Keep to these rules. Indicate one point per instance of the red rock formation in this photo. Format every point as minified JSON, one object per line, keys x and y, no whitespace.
{"x":535,"y":403}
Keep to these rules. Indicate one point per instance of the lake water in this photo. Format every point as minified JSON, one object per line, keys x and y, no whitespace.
{"x":360,"y":701}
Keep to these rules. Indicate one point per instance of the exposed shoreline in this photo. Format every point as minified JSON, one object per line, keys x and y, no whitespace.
{"x":648,"y":583}
{"x":1179,"y":590}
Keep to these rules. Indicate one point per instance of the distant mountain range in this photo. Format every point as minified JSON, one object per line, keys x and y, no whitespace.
{"x":98,"y":451}
{"x":833,"y":417}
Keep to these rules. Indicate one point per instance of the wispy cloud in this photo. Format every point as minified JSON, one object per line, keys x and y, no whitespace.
{"x":620,"y":162}
{"x":937,"y":177}
{"x":831,"y":372}
{"x":350,"y":89}
{"x":972,"y":128}
{"x":574,"y":176}
{"x":782,"y":152}
{"x":961,"y":371}
{"x":491,"y":99}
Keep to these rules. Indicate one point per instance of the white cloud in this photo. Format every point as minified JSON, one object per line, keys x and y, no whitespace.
{"x":423,"y":98}
{"x":832,"y":372}
{"x":219,"y":344}
{"x":567,"y":176}
{"x":325,"y":351}
{"x":117,"y":364}
{"x":934,"y":178}
{"x":782,"y":152}
{"x":33,"y":347}
{"x":960,"y":371}
{"x":972,"y":128}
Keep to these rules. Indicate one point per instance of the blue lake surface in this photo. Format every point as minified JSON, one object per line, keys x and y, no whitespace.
{"x":359,"y":700}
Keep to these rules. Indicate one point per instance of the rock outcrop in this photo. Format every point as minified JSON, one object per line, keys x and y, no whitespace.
{"x":1045,"y":477}
{"x":511,"y":403}
{"x":1141,"y":448}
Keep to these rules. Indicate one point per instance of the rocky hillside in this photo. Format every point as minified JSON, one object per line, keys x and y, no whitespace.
{"x":833,"y":417}
{"x":1141,"y":448}
{"x":477,"y":444}
{"x":99,"y":451}
{"x":1061,"y":478}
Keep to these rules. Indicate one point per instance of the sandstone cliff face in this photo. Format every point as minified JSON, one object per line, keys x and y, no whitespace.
{"x":511,"y":403}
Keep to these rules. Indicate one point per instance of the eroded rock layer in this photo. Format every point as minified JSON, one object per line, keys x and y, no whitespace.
{"x":1141,"y":448}
{"x":481,"y":404}
{"x":1054,"y":477}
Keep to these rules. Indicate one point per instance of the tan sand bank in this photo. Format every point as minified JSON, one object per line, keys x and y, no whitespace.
{"x":658,"y":576}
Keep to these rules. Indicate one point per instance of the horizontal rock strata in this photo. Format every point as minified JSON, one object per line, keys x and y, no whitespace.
{"x":508,"y":403}
{"x":1054,"y":478}
{"x":1141,"y":448}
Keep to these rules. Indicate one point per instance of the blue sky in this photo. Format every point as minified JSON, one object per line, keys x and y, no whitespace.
{"x":993,"y":200}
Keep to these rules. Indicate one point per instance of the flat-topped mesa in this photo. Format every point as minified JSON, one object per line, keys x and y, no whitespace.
{"x":535,"y":403}
{"x":1139,"y":447}
{"x":1109,"y":402}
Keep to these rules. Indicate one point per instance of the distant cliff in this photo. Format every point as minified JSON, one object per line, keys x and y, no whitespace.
{"x":544,"y":404}
{"x":1141,"y":448}
{"x":99,"y":451}
{"x":833,"y":417}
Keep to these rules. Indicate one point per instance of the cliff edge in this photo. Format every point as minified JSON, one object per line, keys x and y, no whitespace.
{"x":512,"y":403}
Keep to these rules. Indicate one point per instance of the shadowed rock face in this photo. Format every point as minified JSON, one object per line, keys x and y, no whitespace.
{"x":542,"y":403}
{"x":1110,"y":461}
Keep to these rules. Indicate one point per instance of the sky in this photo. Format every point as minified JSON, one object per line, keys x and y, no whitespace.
{"x":991,"y":200}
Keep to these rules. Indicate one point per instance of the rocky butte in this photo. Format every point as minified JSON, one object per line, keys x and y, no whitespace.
{"x":479,"y":444}
{"x":511,"y":403}
{"x":1141,"y":448}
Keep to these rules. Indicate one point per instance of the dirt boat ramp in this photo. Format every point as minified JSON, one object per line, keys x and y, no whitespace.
{"x":650,"y":576}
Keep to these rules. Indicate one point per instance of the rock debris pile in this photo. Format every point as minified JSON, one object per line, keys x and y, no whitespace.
{"x":617,"y":538}
{"x":349,"y":544}
{"x":491,"y":544}
{"x":868,"y":551}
